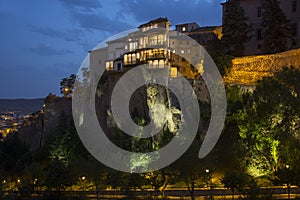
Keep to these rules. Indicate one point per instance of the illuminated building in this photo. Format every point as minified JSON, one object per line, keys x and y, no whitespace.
{"x":153,"y":43}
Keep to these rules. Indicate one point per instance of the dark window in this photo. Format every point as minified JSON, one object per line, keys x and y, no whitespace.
{"x":295,"y":30}
{"x":294,"y":5}
{"x":119,"y":66}
{"x":258,"y":11}
{"x":259,"y":46}
{"x":258,"y":34}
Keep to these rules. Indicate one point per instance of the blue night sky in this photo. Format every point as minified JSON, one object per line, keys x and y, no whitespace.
{"x":43,"y":41}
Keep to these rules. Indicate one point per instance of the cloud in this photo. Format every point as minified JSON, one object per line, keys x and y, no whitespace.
{"x":207,"y":12}
{"x":47,"y":50}
{"x":86,"y":5}
{"x":99,"y":22}
{"x":68,"y":35}
{"x":91,"y":15}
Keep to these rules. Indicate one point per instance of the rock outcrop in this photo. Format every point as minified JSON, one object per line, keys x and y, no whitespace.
{"x":39,"y":127}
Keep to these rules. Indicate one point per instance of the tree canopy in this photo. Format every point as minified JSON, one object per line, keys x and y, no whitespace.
{"x":277,"y":28}
{"x":236,"y":28}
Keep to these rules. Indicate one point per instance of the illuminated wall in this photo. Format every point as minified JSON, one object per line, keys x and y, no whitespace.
{"x":247,"y":70}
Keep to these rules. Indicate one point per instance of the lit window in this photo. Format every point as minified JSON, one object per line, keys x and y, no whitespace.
{"x":182,"y":51}
{"x":109,"y":65}
{"x":160,"y":39}
{"x":153,"y":40}
{"x":183,"y":28}
{"x":125,"y":59}
{"x":173,"y":72}
{"x":133,"y":58}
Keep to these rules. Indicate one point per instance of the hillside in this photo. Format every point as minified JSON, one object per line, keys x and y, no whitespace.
{"x":25,"y":106}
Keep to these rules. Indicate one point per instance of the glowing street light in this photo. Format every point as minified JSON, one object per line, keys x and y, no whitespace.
{"x":287,"y":166}
{"x":209,"y":182}
{"x":288,"y":181}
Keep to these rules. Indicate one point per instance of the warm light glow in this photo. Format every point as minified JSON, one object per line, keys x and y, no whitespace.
{"x":207,"y":170}
{"x":4,"y":181}
{"x":18,"y":180}
{"x":287,"y":166}
{"x":66,"y":89}
{"x":173,"y":72}
{"x":83,"y":178}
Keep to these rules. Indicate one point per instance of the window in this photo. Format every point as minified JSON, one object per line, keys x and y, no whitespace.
{"x":153,"y":40}
{"x":258,"y":34}
{"x":182,"y":51}
{"x":294,"y":5}
{"x":160,"y":40}
{"x":119,"y":66}
{"x":183,"y":29}
{"x":295,"y":30}
{"x":258,"y":11}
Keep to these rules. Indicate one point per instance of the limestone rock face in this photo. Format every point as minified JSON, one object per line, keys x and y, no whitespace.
{"x":37,"y":129}
{"x":248,"y":70}
{"x":57,"y":111}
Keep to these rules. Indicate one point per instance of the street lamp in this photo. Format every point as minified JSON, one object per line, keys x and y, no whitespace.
{"x":209,"y":182}
{"x":288,"y":180}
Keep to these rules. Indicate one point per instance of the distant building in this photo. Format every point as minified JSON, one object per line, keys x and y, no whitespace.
{"x":187,"y":27}
{"x":204,"y":35}
{"x":253,"y":10}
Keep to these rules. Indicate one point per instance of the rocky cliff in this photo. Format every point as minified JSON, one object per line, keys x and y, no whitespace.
{"x":37,"y":129}
{"x":57,"y":111}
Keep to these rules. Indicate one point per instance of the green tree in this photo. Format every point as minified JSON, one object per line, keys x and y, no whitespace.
{"x":236,"y":28}
{"x":58,"y":175}
{"x":277,"y":29}
{"x":215,"y":48}
{"x":235,"y":181}
{"x":269,"y":123}
{"x":67,"y":85}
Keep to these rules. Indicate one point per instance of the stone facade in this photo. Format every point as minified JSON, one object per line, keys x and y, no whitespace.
{"x":253,"y":10}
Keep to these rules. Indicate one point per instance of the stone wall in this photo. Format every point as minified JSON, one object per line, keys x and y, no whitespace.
{"x":248,"y":70}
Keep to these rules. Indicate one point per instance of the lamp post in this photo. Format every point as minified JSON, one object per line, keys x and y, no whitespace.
{"x":288,"y":181}
{"x":209,"y":182}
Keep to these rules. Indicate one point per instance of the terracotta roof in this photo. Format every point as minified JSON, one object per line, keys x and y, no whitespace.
{"x":206,"y":28}
{"x":160,"y":19}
